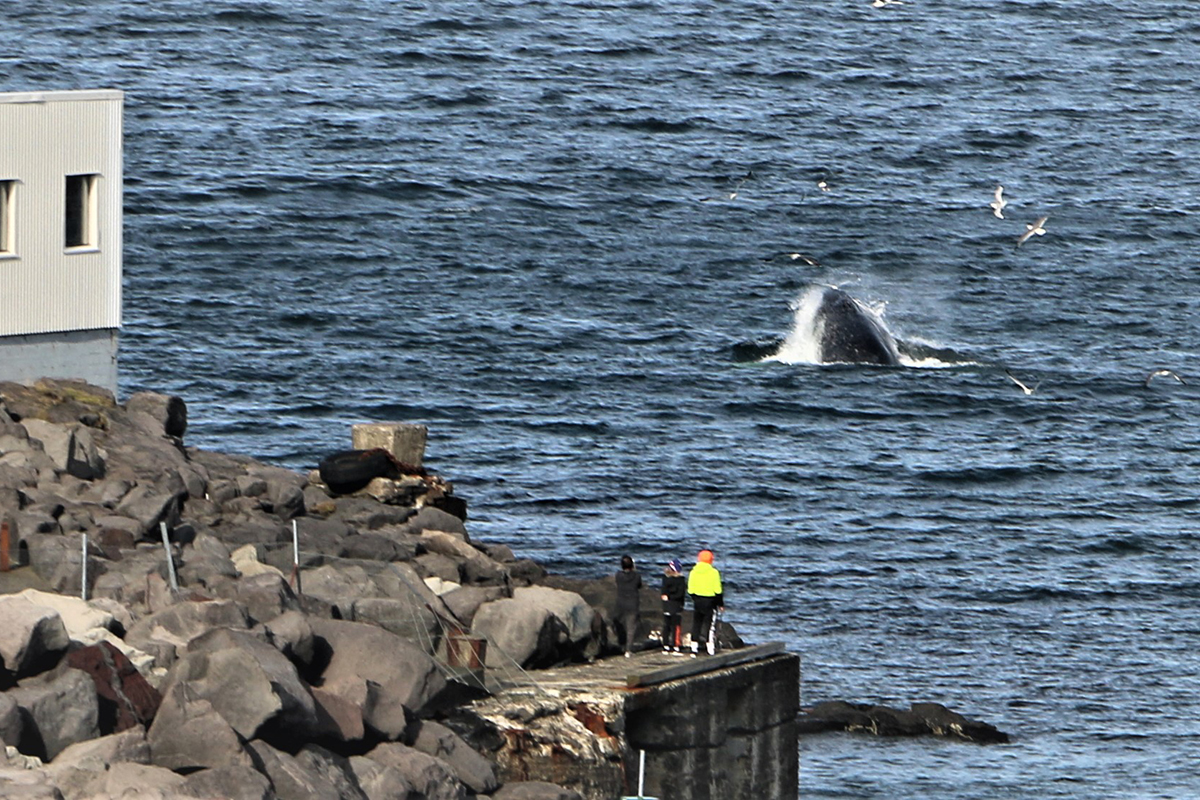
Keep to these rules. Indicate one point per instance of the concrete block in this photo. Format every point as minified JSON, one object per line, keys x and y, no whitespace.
{"x":404,"y":440}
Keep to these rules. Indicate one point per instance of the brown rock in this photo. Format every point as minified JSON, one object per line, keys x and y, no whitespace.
{"x":126,"y":698}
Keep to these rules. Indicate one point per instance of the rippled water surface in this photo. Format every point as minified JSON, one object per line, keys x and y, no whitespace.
{"x":557,"y":233}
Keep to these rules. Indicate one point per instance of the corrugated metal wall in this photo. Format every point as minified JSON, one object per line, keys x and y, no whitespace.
{"x":43,"y":138}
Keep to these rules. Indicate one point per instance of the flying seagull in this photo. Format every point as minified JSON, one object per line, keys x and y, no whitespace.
{"x":812,"y":262}
{"x":1164,"y":373}
{"x":733,"y":195}
{"x":1035,"y":229}
{"x":999,"y":203}
{"x":1027,"y":390}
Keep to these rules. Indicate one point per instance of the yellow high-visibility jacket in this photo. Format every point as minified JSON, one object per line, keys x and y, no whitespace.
{"x":705,"y":581}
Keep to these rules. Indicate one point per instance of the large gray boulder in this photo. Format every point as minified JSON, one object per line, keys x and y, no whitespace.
{"x":406,"y":617}
{"x":407,"y":678}
{"x":189,"y":734}
{"x":32,"y":636}
{"x":178,"y":624}
{"x":537,"y":626}
{"x":227,"y":783}
{"x":291,"y":634}
{"x":434,"y":519}
{"x":71,"y":447}
{"x":379,"y":782}
{"x":292,"y":779}
{"x":333,"y":768}
{"x":104,"y":751}
{"x":57,"y":712}
{"x":341,"y":714}
{"x":534,"y":790}
{"x":248,"y":682}
{"x":10,"y":721}
{"x":435,"y":739}
{"x":80,"y":771}
{"x":340,"y":586}
{"x":464,"y":601}
{"x":476,"y":567}
{"x":429,"y":776}
{"x":168,"y":411}
{"x":147,"y":505}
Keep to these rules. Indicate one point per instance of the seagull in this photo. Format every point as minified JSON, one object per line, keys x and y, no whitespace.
{"x":821,"y":184}
{"x":882,"y":3}
{"x":733,"y":195}
{"x":1164,"y":373}
{"x":1031,"y":230}
{"x":812,"y":262}
{"x":999,"y":203}
{"x":1027,"y":390}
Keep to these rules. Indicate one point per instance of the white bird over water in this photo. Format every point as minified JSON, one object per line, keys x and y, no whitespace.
{"x":1035,"y":229}
{"x":999,"y":203}
{"x":1163,"y":373}
{"x":812,"y":262}
{"x":1027,"y":390}
{"x":882,"y":3}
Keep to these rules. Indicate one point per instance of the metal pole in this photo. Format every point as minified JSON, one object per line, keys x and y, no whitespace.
{"x":3,"y":547}
{"x":83,"y":576}
{"x":296,"y":557}
{"x":170,"y":558}
{"x":641,"y":773}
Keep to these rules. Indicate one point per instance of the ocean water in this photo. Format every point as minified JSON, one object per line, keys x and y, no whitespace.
{"x":557,"y":233}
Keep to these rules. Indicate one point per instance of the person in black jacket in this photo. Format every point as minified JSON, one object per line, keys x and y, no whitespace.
{"x":674,"y":591}
{"x":629,"y":583}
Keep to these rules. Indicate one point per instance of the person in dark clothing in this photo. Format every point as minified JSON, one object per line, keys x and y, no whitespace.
{"x":674,"y":591}
{"x":629,"y":583}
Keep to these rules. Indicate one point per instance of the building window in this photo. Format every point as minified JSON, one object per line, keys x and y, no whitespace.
{"x":8,"y":191}
{"x":81,"y":211}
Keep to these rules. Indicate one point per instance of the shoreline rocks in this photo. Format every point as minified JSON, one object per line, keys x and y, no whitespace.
{"x":225,"y":663}
{"x":921,"y":719}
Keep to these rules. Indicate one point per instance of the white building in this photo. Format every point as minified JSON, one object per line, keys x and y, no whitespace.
{"x":60,"y":235}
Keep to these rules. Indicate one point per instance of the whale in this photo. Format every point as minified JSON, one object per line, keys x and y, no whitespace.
{"x":847,"y":332}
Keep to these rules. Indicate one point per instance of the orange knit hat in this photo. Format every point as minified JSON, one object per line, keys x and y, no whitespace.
{"x":706,"y":556}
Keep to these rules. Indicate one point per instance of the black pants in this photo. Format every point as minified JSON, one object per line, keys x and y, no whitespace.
{"x":672,"y":631}
{"x":627,"y":629}
{"x":704,"y":627}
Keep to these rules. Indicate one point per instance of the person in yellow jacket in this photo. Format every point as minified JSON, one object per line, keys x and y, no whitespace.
{"x":708,"y":599}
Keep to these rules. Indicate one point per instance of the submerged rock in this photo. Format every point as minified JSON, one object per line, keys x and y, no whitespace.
{"x":922,"y":719}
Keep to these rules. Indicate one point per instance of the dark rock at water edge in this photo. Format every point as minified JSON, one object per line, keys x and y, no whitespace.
{"x":922,"y":719}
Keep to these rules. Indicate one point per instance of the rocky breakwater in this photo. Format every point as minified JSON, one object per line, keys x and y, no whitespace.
{"x":224,"y":662}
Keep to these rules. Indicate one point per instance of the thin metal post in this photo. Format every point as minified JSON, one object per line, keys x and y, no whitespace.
{"x":295,"y":557}
{"x":83,"y":573}
{"x":4,"y":547}
{"x":642,"y":773}
{"x":170,"y":558}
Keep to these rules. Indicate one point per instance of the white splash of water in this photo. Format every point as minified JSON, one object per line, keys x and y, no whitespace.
{"x":803,"y":342}
{"x":802,"y":345}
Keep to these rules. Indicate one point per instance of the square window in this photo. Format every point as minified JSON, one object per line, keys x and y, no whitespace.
{"x":8,"y":191}
{"x":81,"y":211}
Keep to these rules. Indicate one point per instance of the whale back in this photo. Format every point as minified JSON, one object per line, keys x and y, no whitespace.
{"x":849,"y":332}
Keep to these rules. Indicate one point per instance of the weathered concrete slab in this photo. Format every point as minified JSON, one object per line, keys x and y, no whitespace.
{"x":726,"y":721}
{"x":404,"y":440}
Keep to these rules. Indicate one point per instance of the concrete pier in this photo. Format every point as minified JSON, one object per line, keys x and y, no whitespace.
{"x":712,"y":727}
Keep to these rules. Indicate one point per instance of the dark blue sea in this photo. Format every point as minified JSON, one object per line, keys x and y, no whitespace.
{"x":558,"y":234}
